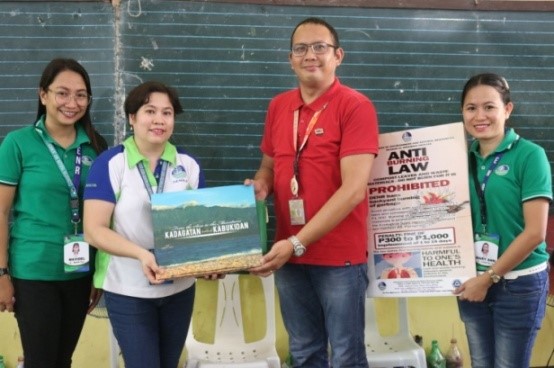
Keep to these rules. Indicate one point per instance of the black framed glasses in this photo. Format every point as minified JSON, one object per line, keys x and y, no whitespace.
{"x":318,"y":48}
{"x":63,"y":97}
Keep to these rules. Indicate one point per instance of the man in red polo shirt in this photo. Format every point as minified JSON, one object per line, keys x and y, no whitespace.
{"x":318,"y":147}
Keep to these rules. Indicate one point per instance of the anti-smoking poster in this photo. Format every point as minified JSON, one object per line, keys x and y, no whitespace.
{"x":420,"y":233}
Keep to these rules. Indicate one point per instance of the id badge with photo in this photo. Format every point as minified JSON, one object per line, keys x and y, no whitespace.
{"x":75,"y":254}
{"x":296,"y":211}
{"x":486,"y":250}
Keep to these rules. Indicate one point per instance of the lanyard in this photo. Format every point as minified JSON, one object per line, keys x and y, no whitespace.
{"x":294,"y":184}
{"x":161,"y":180}
{"x":480,"y":188}
{"x":71,"y":184}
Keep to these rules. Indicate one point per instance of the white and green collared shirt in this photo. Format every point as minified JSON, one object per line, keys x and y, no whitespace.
{"x":115,"y":178}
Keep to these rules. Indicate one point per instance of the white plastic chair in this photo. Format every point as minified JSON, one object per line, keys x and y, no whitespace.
{"x":229,"y":349}
{"x":391,"y":351}
{"x":114,"y":349}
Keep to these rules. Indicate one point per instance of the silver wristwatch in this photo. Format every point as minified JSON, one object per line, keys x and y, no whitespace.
{"x":297,"y":246}
{"x":494,"y":277}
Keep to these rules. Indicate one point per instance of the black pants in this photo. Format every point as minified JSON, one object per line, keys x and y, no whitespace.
{"x":50,"y":316}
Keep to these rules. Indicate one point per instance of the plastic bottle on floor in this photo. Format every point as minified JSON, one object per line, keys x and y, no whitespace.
{"x":453,"y":356}
{"x":435,"y":359}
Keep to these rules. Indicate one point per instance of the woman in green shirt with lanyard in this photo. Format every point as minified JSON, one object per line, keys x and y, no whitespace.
{"x":510,"y":191}
{"x":42,"y":176}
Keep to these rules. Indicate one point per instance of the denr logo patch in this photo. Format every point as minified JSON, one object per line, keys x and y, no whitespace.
{"x":502,"y":170}
{"x":179,"y":172}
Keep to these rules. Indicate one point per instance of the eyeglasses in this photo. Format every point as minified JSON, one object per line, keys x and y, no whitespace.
{"x":63,"y":97}
{"x":300,"y":49}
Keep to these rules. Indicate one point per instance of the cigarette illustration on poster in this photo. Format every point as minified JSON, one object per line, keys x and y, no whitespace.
{"x":420,"y":232}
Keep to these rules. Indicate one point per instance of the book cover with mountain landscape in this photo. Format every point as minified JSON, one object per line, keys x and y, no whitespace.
{"x":210,"y":230}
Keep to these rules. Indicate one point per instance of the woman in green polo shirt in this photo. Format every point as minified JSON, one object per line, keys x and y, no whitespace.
{"x":510,"y":191}
{"x":42,"y":176}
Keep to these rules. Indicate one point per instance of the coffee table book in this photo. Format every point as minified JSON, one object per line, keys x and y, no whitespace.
{"x":206,"y":231}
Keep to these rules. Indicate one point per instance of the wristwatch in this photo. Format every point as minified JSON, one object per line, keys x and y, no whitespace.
{"x":4,"y":271}
{"x":494,"y":277}
{"x":298,"y":248}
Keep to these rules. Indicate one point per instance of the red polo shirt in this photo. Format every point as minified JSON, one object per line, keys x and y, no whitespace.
{"x":347,"y":126}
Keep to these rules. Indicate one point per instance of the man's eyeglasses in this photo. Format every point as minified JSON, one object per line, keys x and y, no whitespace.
{"x":300,"y":49}
{"x":63,"y":97}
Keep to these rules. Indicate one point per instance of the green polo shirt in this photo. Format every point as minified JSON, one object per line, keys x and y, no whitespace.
{"x":522,"y":174}
{"x":41,"y":209}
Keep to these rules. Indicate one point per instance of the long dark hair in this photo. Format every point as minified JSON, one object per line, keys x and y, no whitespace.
{"x":55,"y":67}
{"x":488,"y":79}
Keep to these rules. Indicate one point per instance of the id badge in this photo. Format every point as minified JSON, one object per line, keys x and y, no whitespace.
{"x":486,"y":250}
{"x":75,"y":254}
{"x":296,"y":210}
